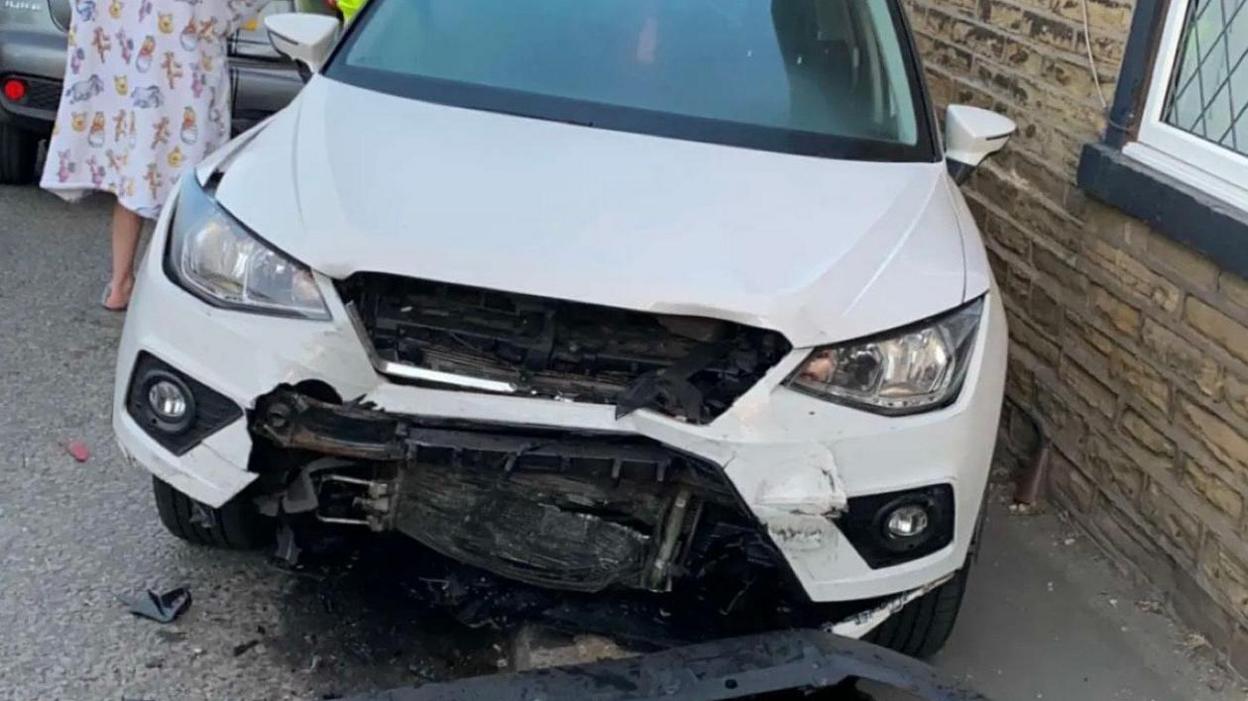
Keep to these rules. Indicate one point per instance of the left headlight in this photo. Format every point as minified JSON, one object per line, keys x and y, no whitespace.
{"x":213,"y":256}
{"x":910,"y":370}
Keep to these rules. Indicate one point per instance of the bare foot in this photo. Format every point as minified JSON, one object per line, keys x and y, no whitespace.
{"x":118,"y":297}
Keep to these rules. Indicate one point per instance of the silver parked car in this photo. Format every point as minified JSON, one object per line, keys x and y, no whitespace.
{"x":32,"y":63}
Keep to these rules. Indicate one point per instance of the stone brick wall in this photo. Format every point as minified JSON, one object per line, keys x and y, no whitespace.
{"x":1129,"y":352}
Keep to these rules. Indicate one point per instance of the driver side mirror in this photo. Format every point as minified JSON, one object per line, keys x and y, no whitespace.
{"x":971,"y":135}
{"x":306,"y":38}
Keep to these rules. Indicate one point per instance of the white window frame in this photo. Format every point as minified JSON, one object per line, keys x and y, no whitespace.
{"x":1202,"y":164}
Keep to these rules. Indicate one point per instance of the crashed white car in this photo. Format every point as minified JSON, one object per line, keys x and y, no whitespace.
{"x":594,"y":296}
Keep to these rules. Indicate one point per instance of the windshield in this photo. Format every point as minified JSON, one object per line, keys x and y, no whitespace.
{"x":820,"y":77}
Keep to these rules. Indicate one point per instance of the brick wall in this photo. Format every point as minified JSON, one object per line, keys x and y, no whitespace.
{"x":1129,"y":351}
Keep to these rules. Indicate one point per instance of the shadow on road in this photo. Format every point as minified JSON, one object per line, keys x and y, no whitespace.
{"x":378,"y":611}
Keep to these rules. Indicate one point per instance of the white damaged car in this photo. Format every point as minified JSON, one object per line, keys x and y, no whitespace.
{"x":595,"y":296}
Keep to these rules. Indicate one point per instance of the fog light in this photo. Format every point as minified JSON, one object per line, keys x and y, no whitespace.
{"x":168,"y":401}
{"x":908,"y":521}
{"x":164,"y":402}
{"x":175,"y":409}
{"x":895,"y":527}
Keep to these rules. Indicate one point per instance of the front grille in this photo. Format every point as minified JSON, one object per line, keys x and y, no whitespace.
{"x":691,"y":368}
{"x":575,"y":512}
{"x":571,"y":510}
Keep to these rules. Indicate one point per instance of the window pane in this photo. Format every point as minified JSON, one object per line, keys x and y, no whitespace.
{"x":828,"y":67}
{"x":1209,"y":87}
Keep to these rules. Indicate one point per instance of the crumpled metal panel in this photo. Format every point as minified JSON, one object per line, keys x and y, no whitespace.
{"x":497,"y":523}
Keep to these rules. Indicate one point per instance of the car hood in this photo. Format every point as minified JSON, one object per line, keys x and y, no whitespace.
{"x":821,"y":250}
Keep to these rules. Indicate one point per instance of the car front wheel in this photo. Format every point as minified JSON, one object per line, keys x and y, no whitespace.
{"x":236,"y":525}
{"x":923,"y":627}
{"x":18,"y":149}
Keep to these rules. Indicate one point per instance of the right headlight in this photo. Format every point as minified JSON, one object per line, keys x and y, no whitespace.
{"x":216,"y":258}
{"x":910,"y":370}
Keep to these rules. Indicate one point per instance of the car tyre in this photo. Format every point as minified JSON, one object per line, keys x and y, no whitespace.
{"x":923,"y":627}
{"x":235,"y":526}
{"x":18,"y":149}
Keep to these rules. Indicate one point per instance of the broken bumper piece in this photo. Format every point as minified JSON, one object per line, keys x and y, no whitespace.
{"x":783,"y":665}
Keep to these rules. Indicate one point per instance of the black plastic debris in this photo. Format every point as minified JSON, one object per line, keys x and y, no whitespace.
{"x":162,"y":608}
{"x":244,"y":647}
{"x":797,"y":665}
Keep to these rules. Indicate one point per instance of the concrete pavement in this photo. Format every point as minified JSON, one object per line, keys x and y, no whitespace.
{"x":1045,"y":617}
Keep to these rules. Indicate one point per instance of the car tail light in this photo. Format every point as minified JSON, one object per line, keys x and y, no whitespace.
{"x":14,"y":89}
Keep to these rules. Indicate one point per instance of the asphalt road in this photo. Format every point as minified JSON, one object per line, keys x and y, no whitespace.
{"x":1045,"y":617}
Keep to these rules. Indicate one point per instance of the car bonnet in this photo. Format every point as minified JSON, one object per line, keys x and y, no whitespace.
{"x":822,"y":250}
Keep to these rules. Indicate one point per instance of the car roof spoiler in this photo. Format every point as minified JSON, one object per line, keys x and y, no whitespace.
{"x":766,"y":665}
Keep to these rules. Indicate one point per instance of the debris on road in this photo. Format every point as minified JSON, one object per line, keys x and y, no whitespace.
{"x":787,"y":664}
{"x":535,"y":647}
{"x":1195,"y":641}
{"x":242,"y":648}
{"x":162,"y":608}
{"x":78,"y":450}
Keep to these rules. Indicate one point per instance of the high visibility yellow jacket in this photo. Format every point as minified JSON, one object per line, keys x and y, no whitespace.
{"x":350,"y":8}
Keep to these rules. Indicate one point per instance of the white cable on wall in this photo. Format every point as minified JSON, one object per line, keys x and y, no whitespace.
{"x":1087,"y":43}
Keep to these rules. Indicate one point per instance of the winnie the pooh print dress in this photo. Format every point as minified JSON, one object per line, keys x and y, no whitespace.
{"x":147,"y":95}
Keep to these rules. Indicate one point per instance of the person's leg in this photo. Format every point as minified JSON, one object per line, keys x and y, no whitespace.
{"x":126,"y":228}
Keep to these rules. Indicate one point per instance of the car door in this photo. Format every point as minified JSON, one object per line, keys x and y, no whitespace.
{"x":263,"y":82}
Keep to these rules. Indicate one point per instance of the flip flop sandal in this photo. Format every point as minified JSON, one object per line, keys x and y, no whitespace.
{"x":108,"y":292}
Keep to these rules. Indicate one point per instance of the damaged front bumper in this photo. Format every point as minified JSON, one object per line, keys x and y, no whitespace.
{"x":576,"y":511}
{"x":788,"y":665}
{"x":788,"y":467}
{"x":579,"y":511}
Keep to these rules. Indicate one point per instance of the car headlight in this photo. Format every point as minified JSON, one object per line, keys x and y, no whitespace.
{"x":913,"y":369}
{"x":213,"y":256}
